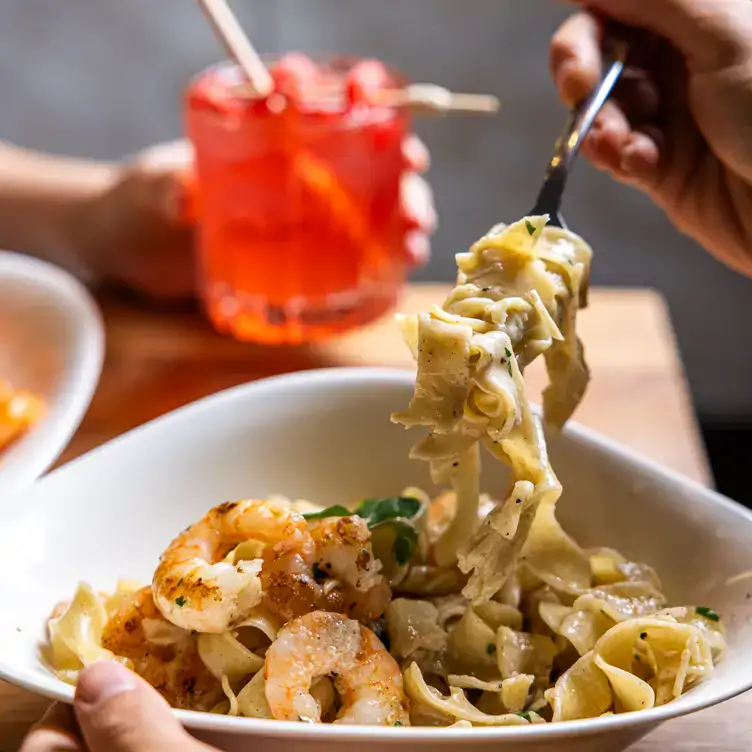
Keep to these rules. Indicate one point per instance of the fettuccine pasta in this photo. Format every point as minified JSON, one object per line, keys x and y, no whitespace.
{"x":458,"y":610}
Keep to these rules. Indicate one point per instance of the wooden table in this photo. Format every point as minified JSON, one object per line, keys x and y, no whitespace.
{"x":157,"y":362}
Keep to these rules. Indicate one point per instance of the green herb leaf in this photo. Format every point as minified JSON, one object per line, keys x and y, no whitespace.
{"x":181,"y":601}
{"x":524,"y":714}
{"x":490,"y":648}
{"x":708,"y":613}
{"x":398,"y":723}
{"x":405,"y":540}
{"x":378,"y":510}
{"x":530,"y":227}
{"x":335,"y":511}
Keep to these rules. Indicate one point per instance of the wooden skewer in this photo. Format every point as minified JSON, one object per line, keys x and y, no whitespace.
{"x":437,"y":99}
{"x":423,"y":98}
{"x":238,"y":46}
{"x":420,"y":97}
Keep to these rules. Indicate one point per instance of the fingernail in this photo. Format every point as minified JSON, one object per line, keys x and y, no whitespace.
{"x":103,"y":681}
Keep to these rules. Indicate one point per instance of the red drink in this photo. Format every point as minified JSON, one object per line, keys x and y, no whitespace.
{"x":298,"y":200}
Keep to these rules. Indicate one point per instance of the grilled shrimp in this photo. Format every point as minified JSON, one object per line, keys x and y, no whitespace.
{"x":344,"y":554}
{"x":164,"y":655}
{"x":367,"y":679}
{"x":290,"y":588}
{"x":195,"y":589}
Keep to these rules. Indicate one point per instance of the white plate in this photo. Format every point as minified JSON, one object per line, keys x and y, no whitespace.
{"x":52,"y":344}
{"x":326,"y":436}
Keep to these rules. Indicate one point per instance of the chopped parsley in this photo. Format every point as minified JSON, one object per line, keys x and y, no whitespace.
{"x":643,"y":635}
{"x":524,"y":714}
{"x":508,"y":353}
{"x":398,"y":723}
{"x":490,"y":648}
{"x":181,"y":601}
{"x":530,"y":227}
{"x":708,"y":613}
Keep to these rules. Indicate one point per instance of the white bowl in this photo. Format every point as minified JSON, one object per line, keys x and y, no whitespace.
{"x":52,"y":344}
{"x":326,"y":436}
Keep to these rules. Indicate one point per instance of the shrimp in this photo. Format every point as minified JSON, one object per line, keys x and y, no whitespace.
{"x":195,"y":589}
{"x":290,"y":588}
{"x":344,"y":554}
{"x":165,"y":656}
{"x":367,"y":679}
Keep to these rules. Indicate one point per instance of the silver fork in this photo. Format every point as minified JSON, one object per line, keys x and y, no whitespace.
{"x":579,"y":125}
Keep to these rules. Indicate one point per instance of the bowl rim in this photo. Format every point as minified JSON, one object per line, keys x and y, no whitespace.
{"x":35,"y":453}
{"x":58,"y":690}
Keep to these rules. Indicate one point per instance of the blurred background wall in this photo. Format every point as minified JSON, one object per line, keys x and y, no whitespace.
{"x":103,"y":78}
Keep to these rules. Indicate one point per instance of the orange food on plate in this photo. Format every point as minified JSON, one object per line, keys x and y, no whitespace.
{"x":19,"y":411}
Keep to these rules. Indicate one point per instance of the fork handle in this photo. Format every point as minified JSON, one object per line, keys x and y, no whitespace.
{"x":585,"y":114}
{"x":578,"y":127}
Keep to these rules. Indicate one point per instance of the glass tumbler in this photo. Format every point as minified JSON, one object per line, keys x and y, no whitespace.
{"x":297,"y":199}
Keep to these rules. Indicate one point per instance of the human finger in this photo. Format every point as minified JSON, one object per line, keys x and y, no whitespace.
{"x":55,"y":732}
{"x":709,"y":33}
{"x":416,"y":154}
{"x":167,"y":156}
{"x":418,"y":207}
{"x":119,"y":712}
{"x":575,"y":57}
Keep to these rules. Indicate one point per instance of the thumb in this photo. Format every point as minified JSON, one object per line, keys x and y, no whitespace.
{"x":119,"y":712}
{"x":170,"y":167}
{"x":710,"y":34}
{"x":167,"y":156}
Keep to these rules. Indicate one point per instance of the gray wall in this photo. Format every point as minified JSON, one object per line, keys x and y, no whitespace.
{"x":102,"y":78}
